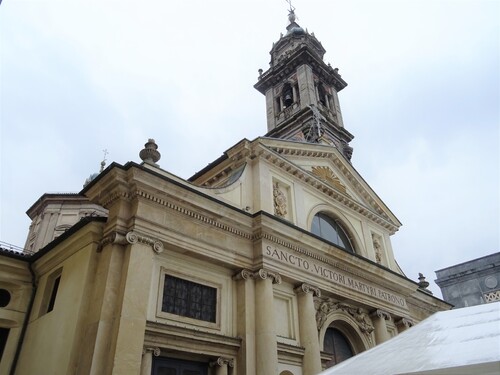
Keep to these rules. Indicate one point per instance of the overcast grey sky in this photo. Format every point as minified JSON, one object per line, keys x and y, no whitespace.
{"x":78,"y":77}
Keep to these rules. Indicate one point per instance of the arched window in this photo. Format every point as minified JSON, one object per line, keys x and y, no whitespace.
{"x":329,"y":229}
{"x":337,"y":345}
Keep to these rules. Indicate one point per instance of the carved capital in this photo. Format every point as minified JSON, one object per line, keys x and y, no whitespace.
{"x":381,"y":314}
{"x":113,"y":238}
{"x":266,"y":274}
{"x":306,"y":288}
{"x":244,"y":274}
{"x":222,"y":361}
{"x":404,"y":323}
{"x":134,"y":237}
{"x":154,"y":350}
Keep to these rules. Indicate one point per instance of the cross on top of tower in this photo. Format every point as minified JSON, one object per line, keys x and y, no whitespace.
{"x":291,"y":11}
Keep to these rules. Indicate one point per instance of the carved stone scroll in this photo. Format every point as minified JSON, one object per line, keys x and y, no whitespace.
{"x":244,"y":274}
{"x":306,"y":288}
{"x":221,"y":361}
{"x":134,"y":237}
{"x":154,"y":350}
{"x":265,"y":274}
{"x":404,"y":323}
{"x":381,"y":314}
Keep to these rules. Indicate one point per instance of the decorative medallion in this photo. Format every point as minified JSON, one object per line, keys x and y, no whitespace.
{"x":327,"y":175}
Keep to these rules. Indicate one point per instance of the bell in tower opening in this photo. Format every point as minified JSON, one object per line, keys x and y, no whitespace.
{"x":287,"y":95}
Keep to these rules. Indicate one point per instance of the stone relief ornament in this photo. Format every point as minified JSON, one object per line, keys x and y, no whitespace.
{"x":377,"y":247}
{"x":279,"y":201}
{"x":327,"y":175}
{"x":324,"y":307}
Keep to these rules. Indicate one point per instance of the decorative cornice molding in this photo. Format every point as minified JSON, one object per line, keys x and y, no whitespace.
{"x":113,"y":196}
{"x":222,"y":361}
{"x":154,"y":350}
{"x":134,"y":237}
{"x":193,"y":214}
{"x":307,"y":288}
{"x":327,"y":306}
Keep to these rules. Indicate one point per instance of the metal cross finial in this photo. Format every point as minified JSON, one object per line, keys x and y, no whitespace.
{"x":103,"y":162}
{"x":291,"y":12}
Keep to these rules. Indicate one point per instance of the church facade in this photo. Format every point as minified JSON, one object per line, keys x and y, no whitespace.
{"x":274,"y":259}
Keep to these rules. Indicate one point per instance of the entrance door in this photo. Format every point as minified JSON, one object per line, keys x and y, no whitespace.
{"x":168,"y":366}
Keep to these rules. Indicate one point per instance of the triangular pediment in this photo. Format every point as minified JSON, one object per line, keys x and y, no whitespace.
{"x":325,"y":169}
{"x":322,"y":167}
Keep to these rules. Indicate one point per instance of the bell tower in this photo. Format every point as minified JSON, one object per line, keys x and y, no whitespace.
{"x":301,"y":91}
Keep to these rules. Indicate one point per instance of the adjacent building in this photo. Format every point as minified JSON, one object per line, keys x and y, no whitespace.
{"x":274,"y":259}
{"x":471,"y":283}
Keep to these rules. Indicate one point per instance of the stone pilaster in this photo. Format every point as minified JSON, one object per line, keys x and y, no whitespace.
{"x":147,"y":359}
{"x":308,"y":329}
{"x":245,"y":328}
{"x":133,"y":310}
{"x":379,"y":317}
{"x":221,"y":365}
{"x":266,"y":347}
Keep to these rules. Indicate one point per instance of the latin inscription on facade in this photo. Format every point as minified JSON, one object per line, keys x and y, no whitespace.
{"x":336,"y":276}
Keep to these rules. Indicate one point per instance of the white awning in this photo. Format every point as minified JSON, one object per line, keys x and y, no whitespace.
{"x":464,"y":341}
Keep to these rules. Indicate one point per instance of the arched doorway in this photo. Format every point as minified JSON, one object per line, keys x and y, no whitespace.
{"x":337,"y":345}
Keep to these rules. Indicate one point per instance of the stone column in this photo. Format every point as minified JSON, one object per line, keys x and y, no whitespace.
{"x":266,"y":347}
{"x":308,"y":328}
{"x":381,"y":334}
{"x":221,"y":365}
{"x":147,"y":359}
{"x":403,"y":324}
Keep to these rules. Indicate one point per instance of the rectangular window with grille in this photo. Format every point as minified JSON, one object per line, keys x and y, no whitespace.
{"x":189,"y":299}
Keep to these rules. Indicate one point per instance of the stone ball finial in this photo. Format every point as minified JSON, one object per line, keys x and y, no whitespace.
{"x":150,"y":154}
